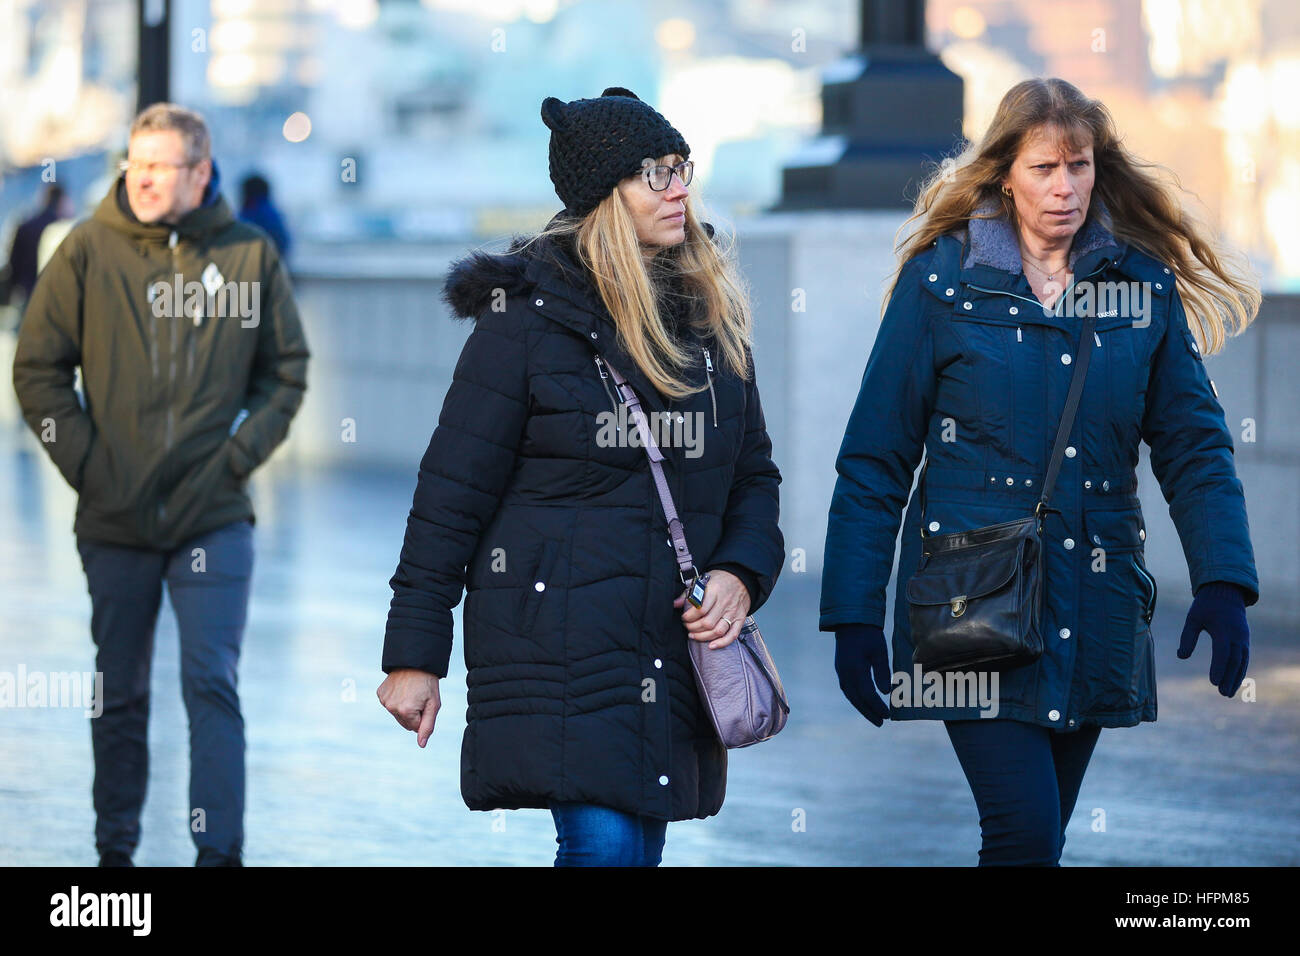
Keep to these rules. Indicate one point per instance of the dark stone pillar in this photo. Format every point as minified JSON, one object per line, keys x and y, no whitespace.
{"x":153,"y":52}
{"x":885,"y":110}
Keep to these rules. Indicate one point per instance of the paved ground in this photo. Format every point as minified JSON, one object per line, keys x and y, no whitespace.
{"x":333,"y":780}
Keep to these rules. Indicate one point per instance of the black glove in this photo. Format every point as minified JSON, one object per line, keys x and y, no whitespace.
{"x":860,"y":655}
{"x":1220,"y":608}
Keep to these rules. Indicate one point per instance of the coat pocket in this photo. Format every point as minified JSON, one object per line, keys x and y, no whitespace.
{"x":540,"y":582}
{"x":1119,"y":597}
{"x":101,"y":487}
{"x":1149,"y":581}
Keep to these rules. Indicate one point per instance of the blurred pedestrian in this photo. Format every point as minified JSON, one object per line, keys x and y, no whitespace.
{"x":23,"y":258}
{"x":256,"y":207}
{"x":972,"y":365}
{"x":533,"y":499}
{"x":182,"y":321}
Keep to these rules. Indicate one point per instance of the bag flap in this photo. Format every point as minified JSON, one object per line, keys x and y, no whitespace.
{"x":970,"y":572}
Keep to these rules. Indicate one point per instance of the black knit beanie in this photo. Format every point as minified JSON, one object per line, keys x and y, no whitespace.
{"x":596,"y":143}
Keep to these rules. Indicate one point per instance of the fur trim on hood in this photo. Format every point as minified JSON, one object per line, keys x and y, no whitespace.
{"x":474,"y":279}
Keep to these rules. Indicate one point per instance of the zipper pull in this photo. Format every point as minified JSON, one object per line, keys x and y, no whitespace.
{"x":1019,"y":337}
{"x":171,"y":240}
{"x":1096,"y":338}
{"x":708,"y":373}
{"x":600,"y":367}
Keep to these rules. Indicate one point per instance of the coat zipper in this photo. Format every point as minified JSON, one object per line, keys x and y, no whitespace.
{"x":604,"y":377}
{"x":1056,"y":310}
{"x":172,"y":326}
{"x":708,"y":371}
{"x":1151,"y":602}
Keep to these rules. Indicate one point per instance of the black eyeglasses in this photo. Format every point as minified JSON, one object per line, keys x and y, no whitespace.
{"x":660,"y":176}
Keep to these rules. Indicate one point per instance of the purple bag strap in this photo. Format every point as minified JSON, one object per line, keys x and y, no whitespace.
{"x":685,"y":564}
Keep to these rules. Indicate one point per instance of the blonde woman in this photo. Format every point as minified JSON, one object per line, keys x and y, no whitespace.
{"x":536,"y":498}
{"x":971,"y":366}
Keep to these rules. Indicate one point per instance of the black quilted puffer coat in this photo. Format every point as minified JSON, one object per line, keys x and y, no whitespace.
{"x":579,"y":679}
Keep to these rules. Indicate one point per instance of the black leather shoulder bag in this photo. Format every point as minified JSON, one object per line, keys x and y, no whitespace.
{"x":976,"y":599}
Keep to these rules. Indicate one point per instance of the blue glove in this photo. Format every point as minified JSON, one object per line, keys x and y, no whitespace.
{"x":860,"y":654}
{"x":1220,"y":608}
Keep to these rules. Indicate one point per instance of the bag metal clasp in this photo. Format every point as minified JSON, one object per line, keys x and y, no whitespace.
{"x":958,"y":605}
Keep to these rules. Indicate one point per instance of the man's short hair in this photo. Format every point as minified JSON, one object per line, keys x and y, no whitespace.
{"x":193,"y":130}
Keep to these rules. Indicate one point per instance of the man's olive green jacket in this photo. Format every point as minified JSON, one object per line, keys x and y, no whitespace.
{"x":164,"y":376}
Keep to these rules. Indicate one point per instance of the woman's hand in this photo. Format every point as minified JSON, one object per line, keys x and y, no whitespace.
{"x":862,"y":658}
{"x":722,"y":615}
{"x":411,"y":696}
{"x":1220,"y":608}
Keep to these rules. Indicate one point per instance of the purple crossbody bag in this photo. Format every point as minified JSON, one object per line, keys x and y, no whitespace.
{"x":739,"y":685}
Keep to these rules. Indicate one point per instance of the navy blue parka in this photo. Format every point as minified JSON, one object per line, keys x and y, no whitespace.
{"x":970,"y":369}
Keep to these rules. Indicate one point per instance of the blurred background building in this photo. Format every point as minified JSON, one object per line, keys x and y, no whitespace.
{"x":417,"y":120}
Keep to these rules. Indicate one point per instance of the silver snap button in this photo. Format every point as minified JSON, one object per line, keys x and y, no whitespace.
{"x":1159,"y":286}
{"x":593,"y":335}
{"x":1065,"y":359}
{"x":1105,"y":486}
{"x":1096,"y":539}
{"x":1195,"y":347}
{"x":993,"y":478}
{"x":1069,"y":451}
{"x":1053,"y":715}
{"x":965,"y":305}
{"x":538,"y":302}
{"x":1142,"y":534}
{"x":681,"y":418}
{"x":1010,"y":481}
{"x":1029,"y":482}
{"x":1069,"y":544}
{"x":933,"y":276}
{"x":1065,"y":633}
{"x":947,"y":292}
{"x":658,"y":662}
{"x":934,"y":526}
{"x":1166,"y":272}
{"x":1014,"y":310}
{"x":663,"y":780}
{"x":1070,"y":721}
{"x":1087,"y":484}
{"x":539,"y":586}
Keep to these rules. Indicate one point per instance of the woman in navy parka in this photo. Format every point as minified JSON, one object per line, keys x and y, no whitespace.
{"x":971,"y":366}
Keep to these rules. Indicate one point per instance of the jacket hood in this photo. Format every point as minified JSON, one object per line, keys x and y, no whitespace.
{"x":213,"y":213}
{"x":474,"y":279}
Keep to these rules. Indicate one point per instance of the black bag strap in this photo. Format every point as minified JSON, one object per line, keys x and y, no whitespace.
{"x":1083,"y":355}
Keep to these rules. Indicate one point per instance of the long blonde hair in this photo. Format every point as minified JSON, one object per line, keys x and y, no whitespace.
{"x":635,"y":294}
{"x":1221,"y":296}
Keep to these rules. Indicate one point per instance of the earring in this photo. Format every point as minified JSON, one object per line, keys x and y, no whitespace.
{"x":1006,"y":190}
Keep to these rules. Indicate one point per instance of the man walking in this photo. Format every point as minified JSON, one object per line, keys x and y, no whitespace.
{"x":193,"y":363}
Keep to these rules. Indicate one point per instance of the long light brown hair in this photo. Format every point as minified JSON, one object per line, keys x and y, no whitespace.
{"x":1220,"y":294}
{"x":636,"y":294}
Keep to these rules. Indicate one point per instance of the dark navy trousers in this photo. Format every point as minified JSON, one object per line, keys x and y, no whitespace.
{"x":1025,"y":780}
{"x":207,"y":581}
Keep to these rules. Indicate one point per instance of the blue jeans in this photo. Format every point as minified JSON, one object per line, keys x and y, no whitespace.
{"x":209,"y":592}
{"x":591,"y":835}
{"x":1025,"y":780}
